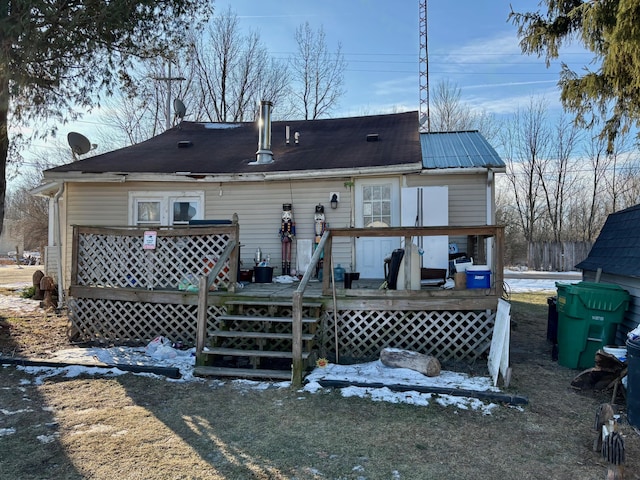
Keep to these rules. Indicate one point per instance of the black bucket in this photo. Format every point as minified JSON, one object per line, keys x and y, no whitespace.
{"x":350,"y":277}
{"x":263,"y":274}
{"x":633,"y":382}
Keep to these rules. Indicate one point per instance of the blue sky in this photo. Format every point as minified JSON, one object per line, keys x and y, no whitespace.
{"x":471,"y":45}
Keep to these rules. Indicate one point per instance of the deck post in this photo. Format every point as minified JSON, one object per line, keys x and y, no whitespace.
{"x":296,"y":349}
{"x":201,"y":325}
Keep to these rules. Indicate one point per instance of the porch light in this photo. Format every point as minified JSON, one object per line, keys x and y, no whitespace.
{"x":334,"y":201}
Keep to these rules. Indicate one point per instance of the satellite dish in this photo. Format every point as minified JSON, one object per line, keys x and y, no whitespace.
{"x":179,"y":108}
{"x":79,"y":143}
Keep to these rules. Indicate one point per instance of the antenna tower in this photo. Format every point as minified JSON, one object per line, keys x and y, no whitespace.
{"x":424,"y":117}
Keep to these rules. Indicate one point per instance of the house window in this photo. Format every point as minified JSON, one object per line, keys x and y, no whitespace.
{"x":165,"y":208}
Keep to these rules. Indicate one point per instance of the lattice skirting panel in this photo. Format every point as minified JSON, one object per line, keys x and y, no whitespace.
{"x":447,"y":335}
{"x":120,"y":322}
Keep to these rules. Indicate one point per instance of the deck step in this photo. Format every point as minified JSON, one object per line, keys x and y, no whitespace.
{"x":243,"y":334}
{"x":272,"y":303}
{"x":237,"y":352}
{"x":203,"y":371}
{"x":257,"y":318}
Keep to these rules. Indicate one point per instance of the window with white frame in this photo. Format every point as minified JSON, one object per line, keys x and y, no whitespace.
{"x":165,"y":208}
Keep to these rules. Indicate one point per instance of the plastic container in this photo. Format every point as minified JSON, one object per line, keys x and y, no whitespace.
{"x":338,"y":273}
{"x":478,"y":276}
{"x":619,"y":352}
{"x":633,"y":382}
{"x":263,"y":274}
{"x":588,"y":317}
{"x":461,"y":264}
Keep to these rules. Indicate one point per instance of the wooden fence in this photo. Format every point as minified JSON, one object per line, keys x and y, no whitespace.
{"x":557,"y":256}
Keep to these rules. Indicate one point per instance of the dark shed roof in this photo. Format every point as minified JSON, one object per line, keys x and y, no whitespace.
{"x":617,"y":248}
{"x":355,"y":142}
{"x":467,"y":149}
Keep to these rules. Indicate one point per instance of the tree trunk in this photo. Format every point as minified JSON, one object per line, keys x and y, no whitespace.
{"x":4,"y":134}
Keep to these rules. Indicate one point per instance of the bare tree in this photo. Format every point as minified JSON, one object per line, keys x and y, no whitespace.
{"x":318,"y":74}
{"x":623,"y":184}
{"x":449,"y":113}
{"x":589,"y":214}
{"x":30,"y":213}
{"x":139,"y":111}
{"x":554,"y":173}
{"x":526,"y":143}
{"x":234,"y":72}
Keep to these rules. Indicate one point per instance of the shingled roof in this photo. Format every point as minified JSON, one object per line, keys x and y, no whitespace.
{"x":617,"y":248}
{"x":210,"y":149}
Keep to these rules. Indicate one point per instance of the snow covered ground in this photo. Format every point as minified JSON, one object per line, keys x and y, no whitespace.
{"x":533,"y":284}
{"x":373,"y":372}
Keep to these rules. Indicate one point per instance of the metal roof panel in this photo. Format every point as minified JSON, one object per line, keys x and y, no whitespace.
{"x":467,"y":149}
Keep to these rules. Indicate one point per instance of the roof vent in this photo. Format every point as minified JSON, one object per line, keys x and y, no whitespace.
{"x":372,"y":137}
{"x":184,"y":143}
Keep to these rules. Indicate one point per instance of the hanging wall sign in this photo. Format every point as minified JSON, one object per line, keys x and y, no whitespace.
{"x":150,"y":238}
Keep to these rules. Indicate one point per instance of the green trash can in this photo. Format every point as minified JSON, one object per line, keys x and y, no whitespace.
{"x":588,"y":317}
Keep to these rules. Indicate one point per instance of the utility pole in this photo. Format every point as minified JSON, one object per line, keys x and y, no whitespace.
{"x":169,"y":79}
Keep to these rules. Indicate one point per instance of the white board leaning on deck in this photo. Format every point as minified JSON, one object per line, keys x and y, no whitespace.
{"x":499,"y":351}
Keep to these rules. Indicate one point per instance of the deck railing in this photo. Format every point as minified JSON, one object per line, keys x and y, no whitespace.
{"x":475,"y":234}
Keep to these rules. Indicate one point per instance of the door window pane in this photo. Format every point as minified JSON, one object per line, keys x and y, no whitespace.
{"x":376,"y":206}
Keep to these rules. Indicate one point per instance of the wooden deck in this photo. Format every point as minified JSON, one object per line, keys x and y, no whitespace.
{"x":367,"y":293}
{"x":108,"y":301}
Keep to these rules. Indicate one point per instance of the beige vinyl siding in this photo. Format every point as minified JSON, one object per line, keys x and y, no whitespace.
{"x":259,"y":209}
{"x":103,"y":204}
{"x":467,"y":195}
{"x":258,"y":205}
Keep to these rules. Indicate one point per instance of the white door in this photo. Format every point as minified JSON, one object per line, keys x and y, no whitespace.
{"x":377,"y":203}
{"x":428,"y":207}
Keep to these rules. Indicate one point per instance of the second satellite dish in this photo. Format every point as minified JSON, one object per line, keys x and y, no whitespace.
{"x":79,"y":143}
{"x":179,"y":108}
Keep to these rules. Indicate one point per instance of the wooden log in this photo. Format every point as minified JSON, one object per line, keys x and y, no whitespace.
{"x":37,"y":277}
{"x":425,"y":364}
{"x":47,"y":285}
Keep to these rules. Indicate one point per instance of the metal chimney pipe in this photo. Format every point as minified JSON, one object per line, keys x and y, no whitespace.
{"x":264,"y":153}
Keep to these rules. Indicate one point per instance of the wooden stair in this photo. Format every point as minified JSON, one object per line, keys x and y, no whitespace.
{"x":254,"y":340}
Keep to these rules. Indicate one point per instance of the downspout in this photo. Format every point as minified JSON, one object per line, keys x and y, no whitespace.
{"x":490,"y":213}
{"x":58,"y":242}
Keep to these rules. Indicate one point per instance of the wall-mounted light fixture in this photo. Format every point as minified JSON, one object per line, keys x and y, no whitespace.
{"x":334,"y":200}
